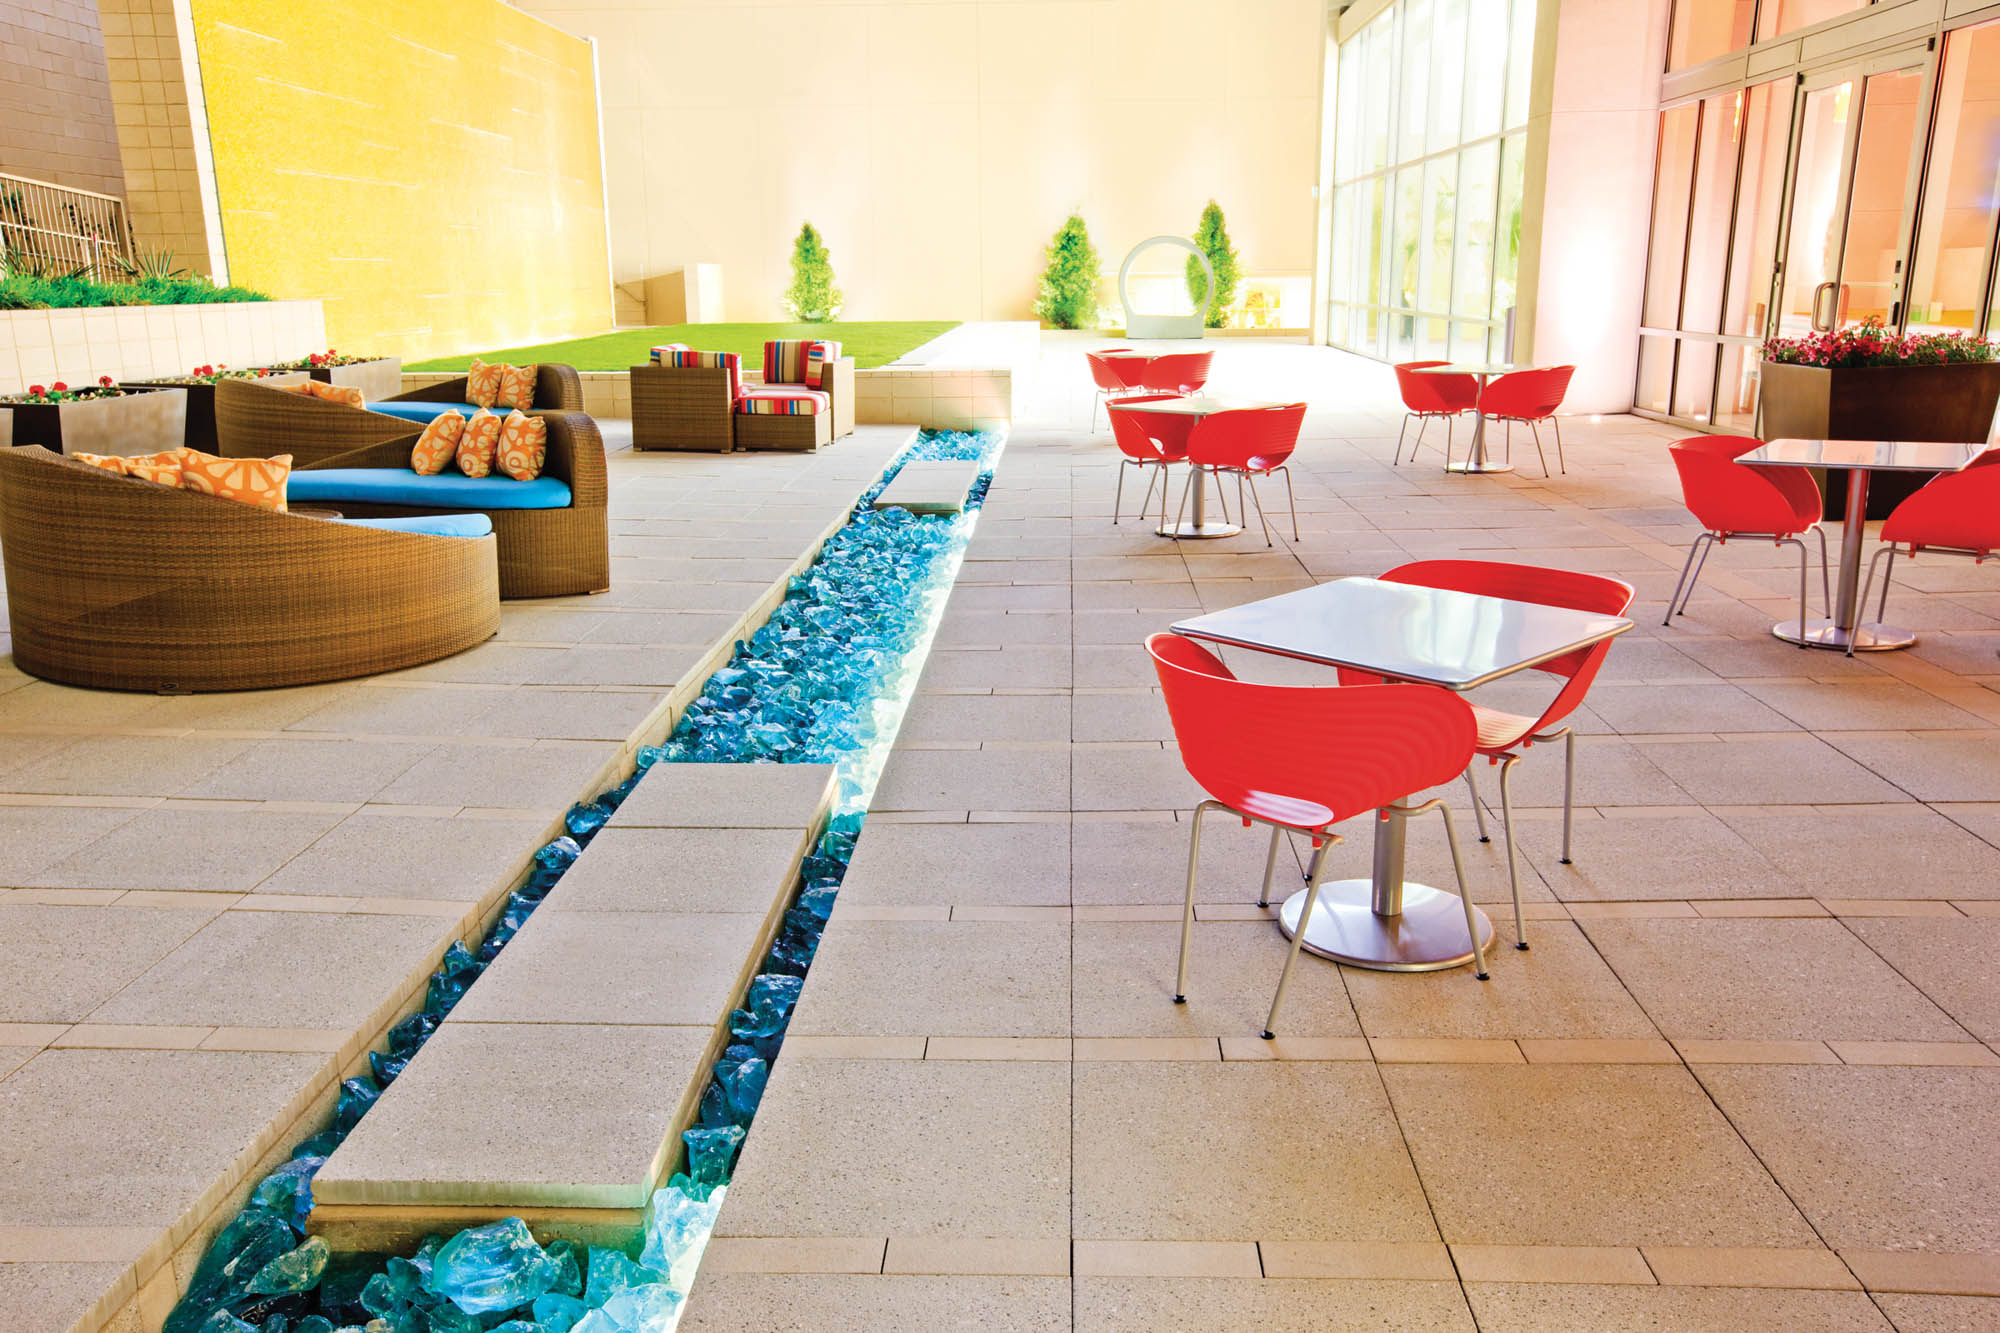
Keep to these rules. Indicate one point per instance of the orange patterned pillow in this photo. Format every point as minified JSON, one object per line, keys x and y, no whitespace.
{"x":337,"y":393}
{"x":109,"y":462}
{"x":164,"y":468}
{"x":437,"y":446}
{"x":482,"y":384}
{"x":477,"y":445}
{"x":524,"y":443}
{"x":254,"y":481}
{"x":517,"y":388}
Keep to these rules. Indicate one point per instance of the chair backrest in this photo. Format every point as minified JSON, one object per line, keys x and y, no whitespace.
{"x":1726,"y":496}
{"x":1234,"y":437}
{"x":1960,"y":510}
{"x":1435,"y":393}
{"x":1274,"y":749}
{"x":1529,"y":395}
{"x":683,"y":358}
{"x":1544,"y":587}
{"x":799,"y":361}
{"x":1177,"y":372}
{"x":1103,"y":374}
{"x":1150,"y":436}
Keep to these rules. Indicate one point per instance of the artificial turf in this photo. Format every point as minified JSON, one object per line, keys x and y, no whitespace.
{"x":871,"y":344}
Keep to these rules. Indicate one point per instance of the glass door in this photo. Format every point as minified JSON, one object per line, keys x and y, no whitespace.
{"x":1856,"y":165}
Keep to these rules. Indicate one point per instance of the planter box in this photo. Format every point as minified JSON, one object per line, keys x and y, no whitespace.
{"x":132,"y":423}
{"x":200,"y":432}
{"x":149,"y":342}
{"x":378,"y":379}
{"x":1953,"y":403}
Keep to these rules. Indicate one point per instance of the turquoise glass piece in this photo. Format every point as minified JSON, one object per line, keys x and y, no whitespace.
{"x":385,"y":1067}
{"x":224,"y":1322}
{"x":558,"y":1312}
{"x":570,"y":1259}
{"x":559,"y":854}
{"x":710,"y":1150}
{"x":412,"y":1032}
{"x":520,"y":1326}
{"x":314,"y":1323}
{"x":321,"y":1144}
{"x":611,"y":1271}
{"x":647,"y":1308}
{"x":585,"y":819}
{"x":287,"y":1191}
{"x":448,"y":1318}
{"x":298,"y":1270}
{"x":492,"y":1268}
{"x":356,"y":1096}
{"x":454,"y":976}
{"x":679,"y":1228}
{"x":254,"y":1238}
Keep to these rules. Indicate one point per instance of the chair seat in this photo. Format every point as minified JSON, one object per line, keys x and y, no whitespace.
{"x":1287,"y":810}
{"x":430,"y":525}
{"x":400,"y":486}
{"x":784,"y":400}
{"x":413,"y":410}
{"x":1498,"y":730}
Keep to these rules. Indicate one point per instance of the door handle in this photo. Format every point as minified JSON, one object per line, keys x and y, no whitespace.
{"x":1823,"y":323}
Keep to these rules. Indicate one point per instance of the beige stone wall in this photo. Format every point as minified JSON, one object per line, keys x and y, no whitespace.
{"x":156,"y":130}
{"x":938,"y":146}
{"x":55,"y":98}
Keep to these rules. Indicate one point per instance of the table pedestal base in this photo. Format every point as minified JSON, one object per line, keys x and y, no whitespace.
{"x":1206,"y":529}
{"x":1870,"y":637}
{"x":1469,"y":465}
{"x":1429,"y":935}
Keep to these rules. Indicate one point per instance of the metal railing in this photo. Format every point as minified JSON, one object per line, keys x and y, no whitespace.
{"x":54,"y":231}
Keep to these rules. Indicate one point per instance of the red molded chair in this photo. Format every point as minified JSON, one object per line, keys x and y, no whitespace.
{"x":1250,"y":442}
{"x":1503,"y":736}
{"x":1301,"y":759}
{"x":1731,"y":499}
{"x":1957,"y":514}
{"x":1149,"y":441}
{"x":1428,"y":398}
{"x":1529,"y":396}
{"x":1109,"y":375}
{"x":1177,"y":372}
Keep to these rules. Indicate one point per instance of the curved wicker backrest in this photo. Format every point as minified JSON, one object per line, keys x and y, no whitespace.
{"x":123,"y":584}
{"x":558,"y":388}
{"x":253,"y":420}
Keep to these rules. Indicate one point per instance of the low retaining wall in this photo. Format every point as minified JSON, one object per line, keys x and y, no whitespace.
{"x":147,"y":342}
{"x":952,"y":398}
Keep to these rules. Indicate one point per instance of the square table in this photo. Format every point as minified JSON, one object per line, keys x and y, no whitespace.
{"x":1433,"y":636}
{"x":1199,"y":525}
{"x":1476,"y":460}
{"x":1860,"y":458}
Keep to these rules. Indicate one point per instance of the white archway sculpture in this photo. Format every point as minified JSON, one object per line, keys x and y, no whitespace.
{"x":1165,"y":326}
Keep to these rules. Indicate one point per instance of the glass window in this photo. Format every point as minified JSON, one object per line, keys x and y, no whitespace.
{"x":1782,"y":16}
{"x":1694,"y":382}
{"x":1352,"y":83}
{"x":1736,"y":383}
{"x":1670,"y":216}
{"x":1379,"y":65}
{"x":1485,"y":67}
{"x":1810,"y":252}
{"x":1705,"y":29}
{"x":1753,"y":256}
{"x":1414,"y":76}
{"x":1656,"y":372}
{"x":1872,"y":257}
{"x":1962,"y":189}
{"x":1507,"y":236}
{"x":1447,"y":74}
{"x":1710,"y":212}
{"x":1409,"y":205}
{"x":1340,"y":256}
{"x":1472,"y":275}
{"x":1520,"y":64}
{"x":1434,"y":244}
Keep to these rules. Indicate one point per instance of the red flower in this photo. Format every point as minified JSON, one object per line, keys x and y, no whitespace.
{"x":60,"y":387}
{"x":104,"y":380}
{"x":36,"y":391}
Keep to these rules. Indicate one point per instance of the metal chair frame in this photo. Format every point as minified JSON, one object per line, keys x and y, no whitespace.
{"x":1555,"y":424}
{"x":1691,"y":570}
{"x":1423,"y":420}
{"x":1882,"y":603}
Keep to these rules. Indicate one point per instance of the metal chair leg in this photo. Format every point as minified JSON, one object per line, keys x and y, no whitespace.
{"x":1888,"y":577}
{"x":1804,"y":572}
{"x":1507,"y":835}
{"x":1562,"y":465}
{"x":1298,"y":938}
{"x":1510,"y":442}
{"x":1464,"y":894}
{"x":1478,"y":806}
{"x":1397,"y":461}
{"x":1187,"y":911}
{"x":1450,"y":425}
{"x":1825,"y":573}
{"x":1257,"y":500}
{"x":1153,"y":474}
{"x":1291,"y":499}
{"x":1241,"y":508}
{"x":1270,"y":866}
{"x":1118,"y":496}
{"x":1687,"y":567}
{"x":1181,"y":511}
{"x":1853,"y":626}
{"x":1536,"y":432}
{"x":1569,"y":788}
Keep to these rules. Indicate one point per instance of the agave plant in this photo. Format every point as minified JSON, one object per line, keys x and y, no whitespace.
{"x":150,"y":265}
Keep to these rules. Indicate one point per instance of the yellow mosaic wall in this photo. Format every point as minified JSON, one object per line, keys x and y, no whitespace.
{"x":427,"y":168}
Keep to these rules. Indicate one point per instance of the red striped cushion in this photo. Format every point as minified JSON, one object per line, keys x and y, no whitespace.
{"x":798,"y":361}
{"x":673,"y":354}
{"x":784,"y":400}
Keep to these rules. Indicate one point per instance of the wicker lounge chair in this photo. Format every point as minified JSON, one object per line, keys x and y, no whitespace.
{"x":543,"y":552}
{"x":558,"y":388}
{"x":122,"y":584}
{"x":705,"y":405}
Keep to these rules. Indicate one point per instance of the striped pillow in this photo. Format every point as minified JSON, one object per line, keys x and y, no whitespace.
{"x":782,"y":400}
{"x":798,"y":361}
{"x":687,"y":358}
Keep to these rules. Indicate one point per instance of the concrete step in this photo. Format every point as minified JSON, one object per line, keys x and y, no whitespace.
{"x":930,"y":488}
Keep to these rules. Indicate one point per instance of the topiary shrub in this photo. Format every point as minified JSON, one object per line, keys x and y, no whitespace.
{"x":1068,"y":297}
{"x":812,"y":298}
{"x":1213,"y":238}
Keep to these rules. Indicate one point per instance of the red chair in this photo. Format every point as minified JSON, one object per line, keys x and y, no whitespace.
{"x":1731,"y":499}
{"x":1111,"y":374}
{"x":1529,"y":396}
{"x":1957,"y":514}
{"x":1250,"y":442}
{"x":1429,"y":398}
{"x":1504,"y":736}
{"x":1149,"y":441}
{"x":1301,"y":759}
{"x":1177,"y":372}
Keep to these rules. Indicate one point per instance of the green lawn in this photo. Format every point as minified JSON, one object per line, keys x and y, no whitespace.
{"x":871,"y":344}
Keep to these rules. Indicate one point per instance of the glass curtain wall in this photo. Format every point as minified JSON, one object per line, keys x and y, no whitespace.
{"x":1705,"y":29}
{"x":1432,"y":100}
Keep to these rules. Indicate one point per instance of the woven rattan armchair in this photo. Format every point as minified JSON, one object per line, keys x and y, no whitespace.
{"x":122,"y":584}
{"x":254,"y":420}
{"x":558,"y":388}
{"x":684,"y":407}
{"x":543,"y":552}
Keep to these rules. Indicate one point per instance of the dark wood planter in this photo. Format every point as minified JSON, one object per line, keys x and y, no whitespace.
{"x":377,"y":379}
{"x":131,"y":423}
{"x":1954,"y":403}
{"x":200,"y":432}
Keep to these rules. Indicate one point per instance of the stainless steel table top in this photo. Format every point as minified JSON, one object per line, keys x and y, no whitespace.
{"x":1472,"y":368}
{"x":1193,"y":407}
{"x":1867,"y":455}
{"x":1430,"y":635}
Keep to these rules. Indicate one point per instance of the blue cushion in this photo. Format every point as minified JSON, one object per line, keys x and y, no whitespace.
{"x":400,"y":486}
{"x":433,"y":525}
{"x":421,"y":412}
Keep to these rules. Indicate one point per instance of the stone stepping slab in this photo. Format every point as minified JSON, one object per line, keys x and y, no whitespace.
{"x":930,"y":488}
{"x":558,"y":1088}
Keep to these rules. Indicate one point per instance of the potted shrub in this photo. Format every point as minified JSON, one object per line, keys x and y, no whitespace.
{"x":97,"y":419}
{"x":1867,"y":383}
{"x":376,"y":376}
{"x":198,"y":387}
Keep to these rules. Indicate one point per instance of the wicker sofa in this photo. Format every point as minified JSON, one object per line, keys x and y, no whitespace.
{"x":558,"y":388}
{"x":121,"y":584}
{"x":689,"y":400}
{"x":554,"y":541}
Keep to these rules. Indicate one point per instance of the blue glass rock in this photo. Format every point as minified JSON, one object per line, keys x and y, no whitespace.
{"x":224,"y":1322}
{"x":314,"y":1323}
{"x":744,"y":1088}
{"x":454,"y":976}
{"x":611,"y":1271}
{"x":557,"y":1312}
{"x":254,"y":1238}
{"x":646,"y":1308}
{"x":298,"y":1270}
{"x":492,"y":1268}
{"x":399,"y":1287}
{"x":679,"y":1228}
{"x":710,"y":1150}
{"x":558,"y":855}
{"x":448,"y":1318}
{"x":287,"y":1191}
{"x":570,"y":1259}
{"x":584,"y":820}
{"x":356,"y":1096}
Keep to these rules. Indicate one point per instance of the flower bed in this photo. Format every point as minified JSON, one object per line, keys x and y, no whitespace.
{"x":1871,"y":344}
{"x":27,"y":291}
{"x":99,"y":418}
